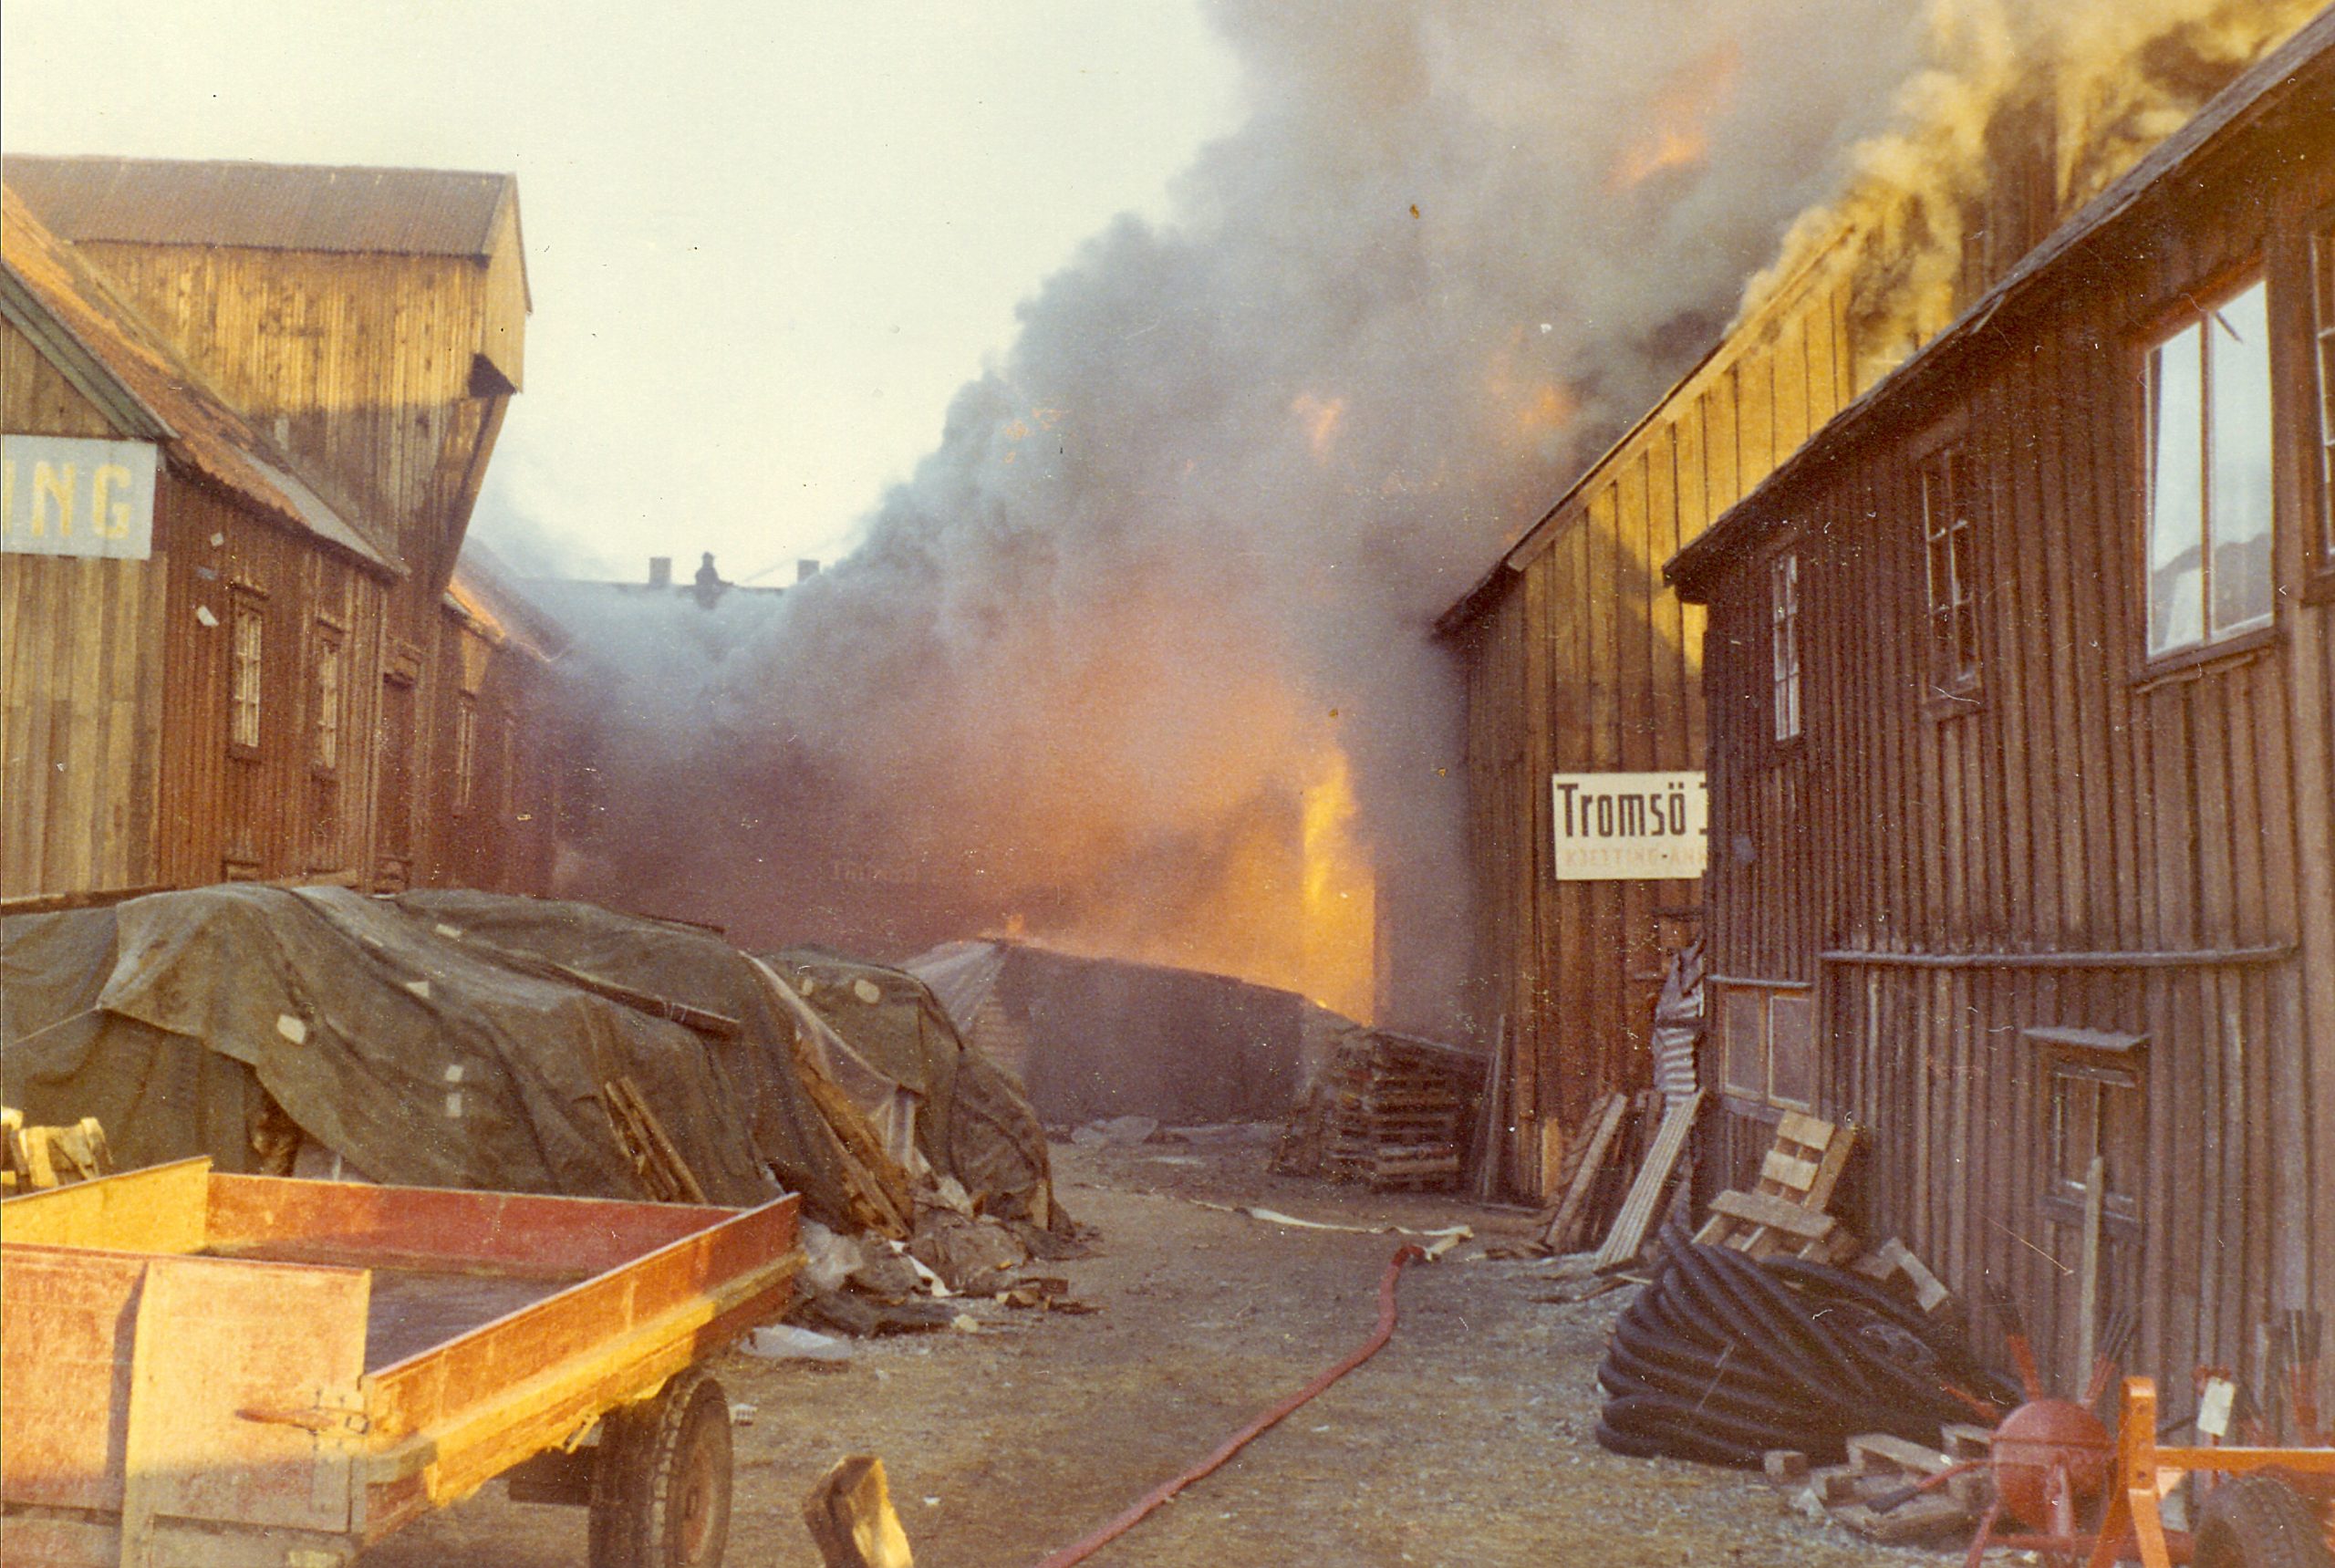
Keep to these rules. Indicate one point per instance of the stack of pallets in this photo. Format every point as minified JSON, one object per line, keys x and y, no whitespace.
{"x":1396,"y":1115}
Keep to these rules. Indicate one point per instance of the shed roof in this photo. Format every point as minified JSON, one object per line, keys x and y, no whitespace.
{"x":69,"y":308}
{"x":264,"y":207}
{"x":2264,"y":86}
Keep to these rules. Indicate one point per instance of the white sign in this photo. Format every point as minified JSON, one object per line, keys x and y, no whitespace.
{"x":1630,"y":827}
{"x":63,"y":496}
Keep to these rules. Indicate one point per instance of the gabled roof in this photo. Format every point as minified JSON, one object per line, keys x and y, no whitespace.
{"x":130,"y":370}
{"x":2264,"y":86}
{"x":264,"y":207}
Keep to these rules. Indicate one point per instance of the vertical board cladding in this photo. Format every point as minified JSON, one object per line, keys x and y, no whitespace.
{"x":385,"y":377}
{"x":1582,"y":659}
{"x":2087,"y":901}
{"x":78,"y":706}
{"x":274,"y":810}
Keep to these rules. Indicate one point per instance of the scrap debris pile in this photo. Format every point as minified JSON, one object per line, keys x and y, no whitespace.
{"x":470,"y":1040}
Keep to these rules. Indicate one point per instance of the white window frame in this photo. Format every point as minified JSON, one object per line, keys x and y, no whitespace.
{"x":2204,"y":322}
{"x":1783,"y":605}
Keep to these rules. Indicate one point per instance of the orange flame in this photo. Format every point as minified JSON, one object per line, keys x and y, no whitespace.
{"x":1682,"y":112}
{"x":1340,"y":906}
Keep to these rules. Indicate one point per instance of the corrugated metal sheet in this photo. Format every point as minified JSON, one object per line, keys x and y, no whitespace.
{"x":265,"y":206}
{"x":206,"y":434}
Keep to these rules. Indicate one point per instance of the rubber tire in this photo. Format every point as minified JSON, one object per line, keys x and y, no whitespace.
{"x":660,"y":1490}
{"x":2259,"y":1521}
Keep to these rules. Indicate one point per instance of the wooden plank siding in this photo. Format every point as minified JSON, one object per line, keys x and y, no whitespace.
{"x":1582,"y":660}
{"x":2089,"y":841}
{"x":382,"y":379}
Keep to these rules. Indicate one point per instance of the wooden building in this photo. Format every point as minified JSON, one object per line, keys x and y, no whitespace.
{"x":279,"y":669}
{"x":1582,"y":662}
{"x":2020,"y":694}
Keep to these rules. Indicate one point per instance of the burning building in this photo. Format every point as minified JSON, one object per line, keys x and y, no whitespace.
{"x":1585,"y":668}
{"x":2021,"y":707}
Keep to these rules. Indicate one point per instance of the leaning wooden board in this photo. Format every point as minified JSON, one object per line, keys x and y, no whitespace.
{"x":185,"y":1365}
{"x":1627,"y":1238}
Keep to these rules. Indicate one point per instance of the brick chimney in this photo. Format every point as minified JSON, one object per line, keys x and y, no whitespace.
{"x":660,"y":571}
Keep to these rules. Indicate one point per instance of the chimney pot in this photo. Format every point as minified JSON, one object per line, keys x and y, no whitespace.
{"x":660,"y":571}
{"x":805,"y":570}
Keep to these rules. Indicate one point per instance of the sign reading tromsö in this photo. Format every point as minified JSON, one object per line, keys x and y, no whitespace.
{"x":1630,"y":827}
{"x":63,"y":496}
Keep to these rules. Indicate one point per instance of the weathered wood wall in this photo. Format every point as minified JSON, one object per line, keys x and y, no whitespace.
{"x":1582,"y":660}
{"x":79,"y":704}
{"x":386,"y":378}
{"x":2090,"y":841}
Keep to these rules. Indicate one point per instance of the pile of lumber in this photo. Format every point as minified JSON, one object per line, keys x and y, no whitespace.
{"x":1895,"y":1491}
{"x":32,"y":1157}
{"x":1394,"y":1114}
{"x":1617,"y":1171}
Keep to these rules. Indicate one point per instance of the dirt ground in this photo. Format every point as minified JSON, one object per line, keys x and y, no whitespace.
{"x":1467,"y":1441}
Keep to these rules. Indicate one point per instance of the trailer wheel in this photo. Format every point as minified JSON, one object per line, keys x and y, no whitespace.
{"x":660,"y":1490}
{"x":2259,"y":1521}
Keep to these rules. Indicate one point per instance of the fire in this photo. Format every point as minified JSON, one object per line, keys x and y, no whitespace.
{"x":1320,"y":416}
{"x":1339,"y":908}
{"x":1682,"y":112}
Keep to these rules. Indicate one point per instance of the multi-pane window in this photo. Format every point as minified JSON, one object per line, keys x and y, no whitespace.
{"x":2322,"y":266}
{"x":465,"y":751}
{"x":1951,"y":539}
{"x":2210,"y":475}
{"x":247,"y":655}
{"x":323,"y":750}
{"x":1783,"y":584}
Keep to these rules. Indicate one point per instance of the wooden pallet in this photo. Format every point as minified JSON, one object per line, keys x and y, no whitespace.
{"x":1784,"y":1211}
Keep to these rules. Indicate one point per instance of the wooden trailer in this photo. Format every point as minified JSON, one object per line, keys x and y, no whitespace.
{"x":215,"y":1370}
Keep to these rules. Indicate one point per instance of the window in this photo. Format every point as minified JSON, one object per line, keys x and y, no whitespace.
{"x":1768,"y":1042}
{"x":247,"y":655}
{"x":1784,"y":600}
{"x":2210,"y":475}
{"x":2322,"y":267}
{"x":465,"y":751}
{"x":1951,"y":541}
{"x":324,"y":749}
{"x":2097,"y":1106}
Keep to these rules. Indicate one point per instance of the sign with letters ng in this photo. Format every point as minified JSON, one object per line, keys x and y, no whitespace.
{"x":1630,"y":827}
{"x":63,"y":496}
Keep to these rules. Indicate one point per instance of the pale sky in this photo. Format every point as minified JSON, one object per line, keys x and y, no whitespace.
{"x":767,"y":241}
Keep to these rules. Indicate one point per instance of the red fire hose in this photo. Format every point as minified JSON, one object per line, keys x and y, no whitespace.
{"x":1080,"y":1550}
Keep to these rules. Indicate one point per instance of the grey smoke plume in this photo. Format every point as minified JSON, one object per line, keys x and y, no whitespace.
{"x":1190,"y":533}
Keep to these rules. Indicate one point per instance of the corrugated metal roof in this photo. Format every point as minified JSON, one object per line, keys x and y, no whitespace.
{"x":265,"y":206}
{"x":200,"y":428}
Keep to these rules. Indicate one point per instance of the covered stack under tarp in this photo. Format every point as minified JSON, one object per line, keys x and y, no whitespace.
{"x":1091,"y":1038}
{"x":972,"y":1123}
{"x":468,"y":1039}
{"x":197,"y":1022}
